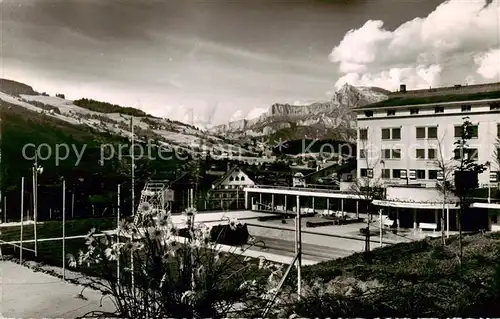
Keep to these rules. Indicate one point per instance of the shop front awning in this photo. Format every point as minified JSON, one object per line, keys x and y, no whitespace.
{"x":415,"y":205}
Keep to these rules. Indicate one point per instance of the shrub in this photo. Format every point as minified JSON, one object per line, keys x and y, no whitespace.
{"x":170,"y":278}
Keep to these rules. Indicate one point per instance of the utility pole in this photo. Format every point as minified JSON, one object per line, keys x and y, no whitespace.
{"x":35,"y":202}
{"x":64,"y":229}
{"x":22,"y":222}
{"x":118,"y":237}
{"x":380,"y":214}
{"x":73,"y":203}
{"x":298,"y":248}
{"x":133,"y":198}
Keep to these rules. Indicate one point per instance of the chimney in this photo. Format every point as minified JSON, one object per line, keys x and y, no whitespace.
{"x":402,"y":88}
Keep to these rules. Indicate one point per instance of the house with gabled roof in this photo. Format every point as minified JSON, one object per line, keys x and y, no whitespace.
{"x":227,"y":191}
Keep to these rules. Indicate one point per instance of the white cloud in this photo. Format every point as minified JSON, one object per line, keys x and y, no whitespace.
{"x":454,"y":43}
{"x":489,"y":64}
{"x":238,"y":115}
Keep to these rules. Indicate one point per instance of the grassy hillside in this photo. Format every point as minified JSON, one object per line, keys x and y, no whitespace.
{"x":16,"y":88}
{"x":20,"y":127}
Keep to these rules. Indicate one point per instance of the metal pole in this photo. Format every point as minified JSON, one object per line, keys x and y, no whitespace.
{"x":5,"y":209}
{"x":22,"y":222}
{"x":64,"y":229}
{"x":133,"y":197}
{"x":118,"y":237}
{"x":448,"y":221}
{"x":380,"y":227}
{"x":489,"y":187}
{"x":299,"y":249}
{"x":35,"y":173}
{"x":73,"y":204}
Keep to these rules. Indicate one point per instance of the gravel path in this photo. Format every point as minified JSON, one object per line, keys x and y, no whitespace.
{"x":29,"y":294}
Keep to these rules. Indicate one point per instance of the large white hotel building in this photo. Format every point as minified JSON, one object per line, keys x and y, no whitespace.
{"x":402,"y":140}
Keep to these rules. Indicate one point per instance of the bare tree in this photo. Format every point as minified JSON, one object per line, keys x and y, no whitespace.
{"x":369,"y":187}
{"x":445,"y":183}
{"x":496,"y":153}
{"x":466,"y":171}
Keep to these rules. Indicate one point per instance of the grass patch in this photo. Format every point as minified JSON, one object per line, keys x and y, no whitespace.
{"x":421,"y":278}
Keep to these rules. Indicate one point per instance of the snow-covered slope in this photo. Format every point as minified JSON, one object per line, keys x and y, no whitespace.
{"x":160,"y":130}
{"x":329,"y":119}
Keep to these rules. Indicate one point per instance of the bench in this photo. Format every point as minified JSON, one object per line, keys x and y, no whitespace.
{"x":431,"y":226}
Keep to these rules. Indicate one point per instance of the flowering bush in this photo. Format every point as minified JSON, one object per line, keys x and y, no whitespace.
{"x":151,"y":272}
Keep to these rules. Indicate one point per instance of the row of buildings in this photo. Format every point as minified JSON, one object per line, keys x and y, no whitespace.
{"x":402,"y":146}
{"x":406,"y":145}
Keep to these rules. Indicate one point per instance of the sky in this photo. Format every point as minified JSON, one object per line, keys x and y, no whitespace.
{"x":211,"y":61}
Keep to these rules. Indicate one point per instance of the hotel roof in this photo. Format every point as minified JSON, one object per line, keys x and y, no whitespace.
{"x":456,"y":93}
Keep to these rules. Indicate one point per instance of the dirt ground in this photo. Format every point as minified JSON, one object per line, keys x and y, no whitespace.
{"x":28,"y":294}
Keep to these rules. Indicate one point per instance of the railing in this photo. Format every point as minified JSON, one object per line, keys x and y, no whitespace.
{"x":325,"y":190}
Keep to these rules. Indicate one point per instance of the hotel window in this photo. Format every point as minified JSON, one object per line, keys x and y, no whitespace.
{"x":396,"y":173}
{"x":433,"y":174}
{"x":420,"y":153}
{"x":420,"y":132}
{"x":369,"y":173}
{"x":363,"y":172}
{"x":420,"y":173}
{"x":466,"y":108}
{"x":391,"y":113}
{"x":470,"y":153}
{"x":386,"y":134}
{"x":432,"y":132}
{"x":386,"y":153}
{"x":368,"y":113}
{"x":431,"y":153}
{"x":386,"y":173}
{"x":396,"y":154}
{"x":474,"y":131}
{"x":363,"y":134}
{"x":412,"y":174}
{"x":403,"y":174}
{"x":413,"y":111}
{"x":362,"y":153}
{"x":396,"y":133}
{"x":439,"y":109}
{"x":494,"y":106}
{"x":391,"y":133}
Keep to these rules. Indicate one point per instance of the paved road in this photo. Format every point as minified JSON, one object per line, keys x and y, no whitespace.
{"x":309,"y":251}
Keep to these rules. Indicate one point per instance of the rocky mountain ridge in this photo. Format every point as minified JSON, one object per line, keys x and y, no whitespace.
{"x":329,"y":119}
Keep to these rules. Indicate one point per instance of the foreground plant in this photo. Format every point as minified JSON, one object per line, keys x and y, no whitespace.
{"x":149,"y":271}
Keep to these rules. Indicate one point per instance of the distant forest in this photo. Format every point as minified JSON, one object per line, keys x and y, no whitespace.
{"x":104,"y":107}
